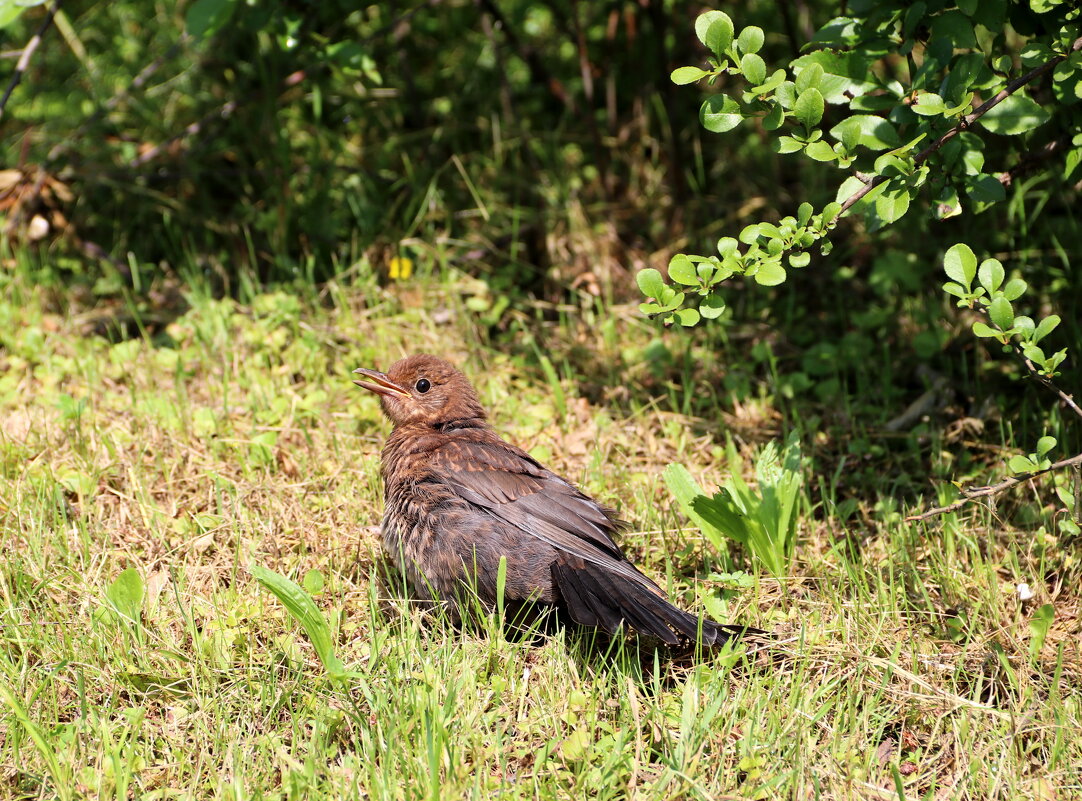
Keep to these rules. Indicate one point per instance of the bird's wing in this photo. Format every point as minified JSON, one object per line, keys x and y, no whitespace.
{"x":510,"y":485}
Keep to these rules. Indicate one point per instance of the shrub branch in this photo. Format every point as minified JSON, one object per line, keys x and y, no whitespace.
{"x":967,"y":120}
{"x":974,"y":493}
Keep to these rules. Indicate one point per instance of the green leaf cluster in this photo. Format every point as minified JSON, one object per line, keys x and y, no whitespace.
{"x":761,"y":519}
{"x":763,"y":252}
{"x":986,"y":288}
{"x":903,"y":133}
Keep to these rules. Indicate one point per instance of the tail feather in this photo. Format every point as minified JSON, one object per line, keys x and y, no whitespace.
{"x":596,"y":597}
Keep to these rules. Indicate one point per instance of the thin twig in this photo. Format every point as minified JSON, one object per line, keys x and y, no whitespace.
{"x":982,"y":492}
{"x":223,"y":111}
{"x":28,"y":53}
{"x":966,"y":121}
{"x":1068,"y":400}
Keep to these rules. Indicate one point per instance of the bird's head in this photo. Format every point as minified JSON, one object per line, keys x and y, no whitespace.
{"x":423,"y":389}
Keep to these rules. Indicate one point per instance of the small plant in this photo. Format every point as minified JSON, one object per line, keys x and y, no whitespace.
{"x":1039,"y":625}
{"x":303,"y":609}
{"x":763,"y":520}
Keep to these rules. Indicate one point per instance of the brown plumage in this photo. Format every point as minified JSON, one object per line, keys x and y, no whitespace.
{"x":458,"y":498}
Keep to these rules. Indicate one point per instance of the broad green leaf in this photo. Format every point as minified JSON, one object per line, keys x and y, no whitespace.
{"x":786,"y":95}
{"x":991,"y":275}
{"x":1045,"y":444}
{"x":928,"y":104}
{"x":804,"y":213}
{"x":720,"y":113}
{"x":750,"y":40}
{"x":820,"y":151}
{"x":956,"y":28}
{"x":688,"y":317}
{"x":770,"y":273}
{"x":1001,"y":313}
{"x":1021,"y":464}
{"x":1033,"y":353}
{"x":809,"y":77}
{"x":313,"y":582}
{"x":773,"y":119}
{"x":892,"y":165}
{"x":716,"y":521}
{"x":754,"y":68}
{"x":947,"y":204}
{"x":686,"y":75}
{"x":207,"y":17}
{"x":683,"y":271}
{"x":973,"y":160}
{"x":728,"y":246}
{"x":983,"y":330}
{"x":809,"y":108}
{"x":960,"y":264}
{"x":9,"y":12}
{"x":840,"y":33}
{"x":964,"y":71}
{"x":799,"y":260}
{"x":1017,"y":114}
{"x":671,"y":299}
{"x":985,"y":189}
{"x":126,"y":594}
{"x":1024,"y":326}
{"x":303,"y":609}
{"x":1014,"y":289}
{"x":715,"y":30}
{"x":892,"y":206}
{"x":952,"y":288}
{"x":1071,"y":162}
{"x":650,"y":283}
{"x":845,"y":78}
{"x":749,"y":234}
{"x":1045,"y":327}
{"x":786,"y":144}
{"x":770,"y":84}
{"x":712,"y":306}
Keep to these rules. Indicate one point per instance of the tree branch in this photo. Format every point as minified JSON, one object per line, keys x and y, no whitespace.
{"x":969,"y":495}
{"x":27,"y":54}
{"x":966,"y":121}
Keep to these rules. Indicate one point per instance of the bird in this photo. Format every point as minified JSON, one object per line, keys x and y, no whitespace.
{"x":458,"y":499}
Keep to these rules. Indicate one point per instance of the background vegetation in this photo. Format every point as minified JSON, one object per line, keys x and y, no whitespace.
{"x":213,"y":211}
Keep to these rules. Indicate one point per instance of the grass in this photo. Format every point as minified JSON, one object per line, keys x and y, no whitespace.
{"x":232,"y":436}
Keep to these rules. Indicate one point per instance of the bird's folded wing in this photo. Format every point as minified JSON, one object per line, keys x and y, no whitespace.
{"x":507,"y":483}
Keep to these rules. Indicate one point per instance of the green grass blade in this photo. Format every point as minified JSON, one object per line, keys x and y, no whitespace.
{"x":303,"y":609}
{"x":61,"y":776}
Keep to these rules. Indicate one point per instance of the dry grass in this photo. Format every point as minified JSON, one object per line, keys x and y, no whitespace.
{"x":236,"y":437}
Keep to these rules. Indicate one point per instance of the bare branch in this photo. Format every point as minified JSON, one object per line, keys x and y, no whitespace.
{"x":966,"y":121}
{"x":973,"y":494}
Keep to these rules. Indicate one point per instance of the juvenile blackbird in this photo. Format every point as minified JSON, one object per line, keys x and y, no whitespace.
{"x":458,"y":498}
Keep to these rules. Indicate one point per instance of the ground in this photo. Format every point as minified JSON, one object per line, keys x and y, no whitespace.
{"x":905,"y":662}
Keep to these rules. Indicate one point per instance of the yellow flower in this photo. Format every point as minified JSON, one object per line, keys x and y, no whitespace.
{"x":400,"y":268}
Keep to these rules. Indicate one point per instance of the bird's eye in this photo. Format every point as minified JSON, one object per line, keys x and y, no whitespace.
{"x":423,"y":385}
